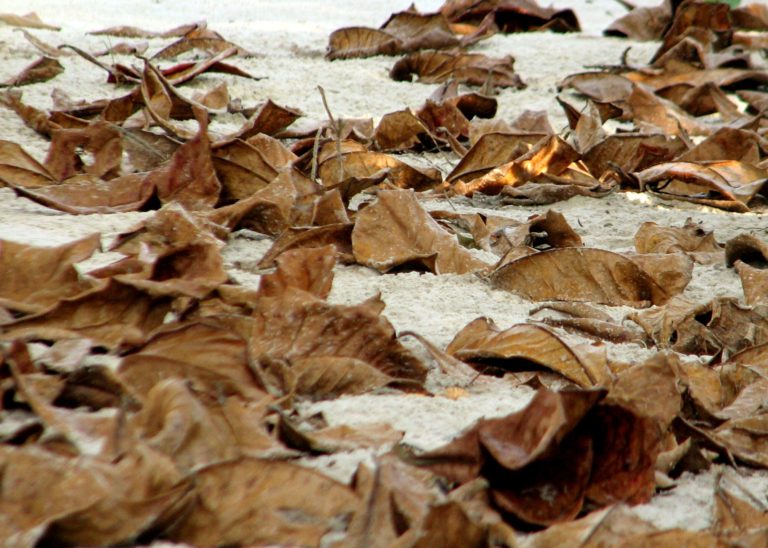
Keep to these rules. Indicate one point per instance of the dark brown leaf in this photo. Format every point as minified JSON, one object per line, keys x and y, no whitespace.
{"x":473,"y":69}
{"x":41,"y":70}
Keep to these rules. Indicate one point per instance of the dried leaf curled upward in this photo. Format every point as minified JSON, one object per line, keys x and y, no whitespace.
{"x":475,"y":69}
{"x":252,"y":501}
{"x":749,"y":255}
{"x":396,"y":231}
{"x":728,"y":184}
{"x":41,"y":70}
{"x":574,"y":274}
{"x":526,"y":346}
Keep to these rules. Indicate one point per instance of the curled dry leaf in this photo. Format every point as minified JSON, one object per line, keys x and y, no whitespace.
{"x":550,"y":156}
{"x":41,"y":70}
{"x":33,"y":279}
{"x":729,"y":185}
{"x":395,"y":231}
{"x":474,"y":69}
{"x":642,"y":23}
{"x":339,"y":235}
{"x":687,"y":327}
{"x":255,"y":501}
{"x":526,"y":346}
{"x":543,"y":461}
{"x":581,"y":274}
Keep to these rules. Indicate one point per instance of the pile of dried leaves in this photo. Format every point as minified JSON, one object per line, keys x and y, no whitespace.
{"x":154,"y":398}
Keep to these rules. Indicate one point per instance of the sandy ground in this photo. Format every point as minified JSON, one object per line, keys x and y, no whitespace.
{"x":289,"y":38}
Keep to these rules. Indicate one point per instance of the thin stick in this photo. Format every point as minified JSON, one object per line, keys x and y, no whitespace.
{"x":337,"y":128}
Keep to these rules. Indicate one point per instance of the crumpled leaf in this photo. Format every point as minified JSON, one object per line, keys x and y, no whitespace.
{"x":526,"y":346}
{"x":691,"y":328}
{"x":581,"y":274}
{"x":56,"y":500}
{"x":255,"y":501}
{"x":41,"y":70}
{"x":550,"y":156}
{"x":642,"y":23}
{"x":19,"y":169}
{"x":474,"y":69}
{"x":418,"y":240}
{"x":543,"y":461}
{"x":310,"y":270}
{"x":296,"y":325}
{"x":33,"y":279}
{"x":727,"y":184}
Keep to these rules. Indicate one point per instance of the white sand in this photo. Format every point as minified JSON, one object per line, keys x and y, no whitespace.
{"x":289,"y":38}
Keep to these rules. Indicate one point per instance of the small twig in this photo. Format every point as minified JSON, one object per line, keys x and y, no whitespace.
{"x":337,"y":128}
{"x":315,"y":149}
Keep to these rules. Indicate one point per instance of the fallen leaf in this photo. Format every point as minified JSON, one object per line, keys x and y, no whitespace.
{"x":691,"y":239}
{"x":419,"y":239}
{"x":310,"y":270}
{"x":473,"y":69}
{"x":41,"y":70}
{"x":512,"y":15}
{"x":526,"y":346}
{"x":580,"y":274}
{"x":255,"y":501}
{"x":30,"y":20}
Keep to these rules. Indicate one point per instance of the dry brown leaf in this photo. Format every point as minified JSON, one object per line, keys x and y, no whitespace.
{"x":253,"y":501}
{"x":512,"y":15}
{"x":41,"y":70}
{"x":550,"y":156}
{"x":474,"y":69}
{"x":403,"y":32}
{"x":642,"y":23}
{"x":726,"y":184}
{"x":30,"y":20}
{"x":691,"y":238}
{"x":581,"y":274}
{"x":418,"y":239}
{"x":112,"y":315}
{"x":33,"y":279}
{"x":298,"y":325}
{"x":339,"y":235}
{"x":310,"y":270}
{"x":526,"y":346}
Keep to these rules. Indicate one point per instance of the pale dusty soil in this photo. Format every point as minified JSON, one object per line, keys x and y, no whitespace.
{"x":290,"y":39}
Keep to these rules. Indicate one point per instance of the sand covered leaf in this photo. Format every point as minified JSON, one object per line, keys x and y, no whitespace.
{"x":254,"y":501}
{"x":396,"y":231}
{"x":545,"y":460}
{"x":729,"y":185}
{"x":296,"y":325}
{"x":474,"y":69}
{"x":41,"y":70}
{"x":33,"y":279}
{"x":512,"y":15}
{"x":526,"y":347}
{"x":581,"y":274}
